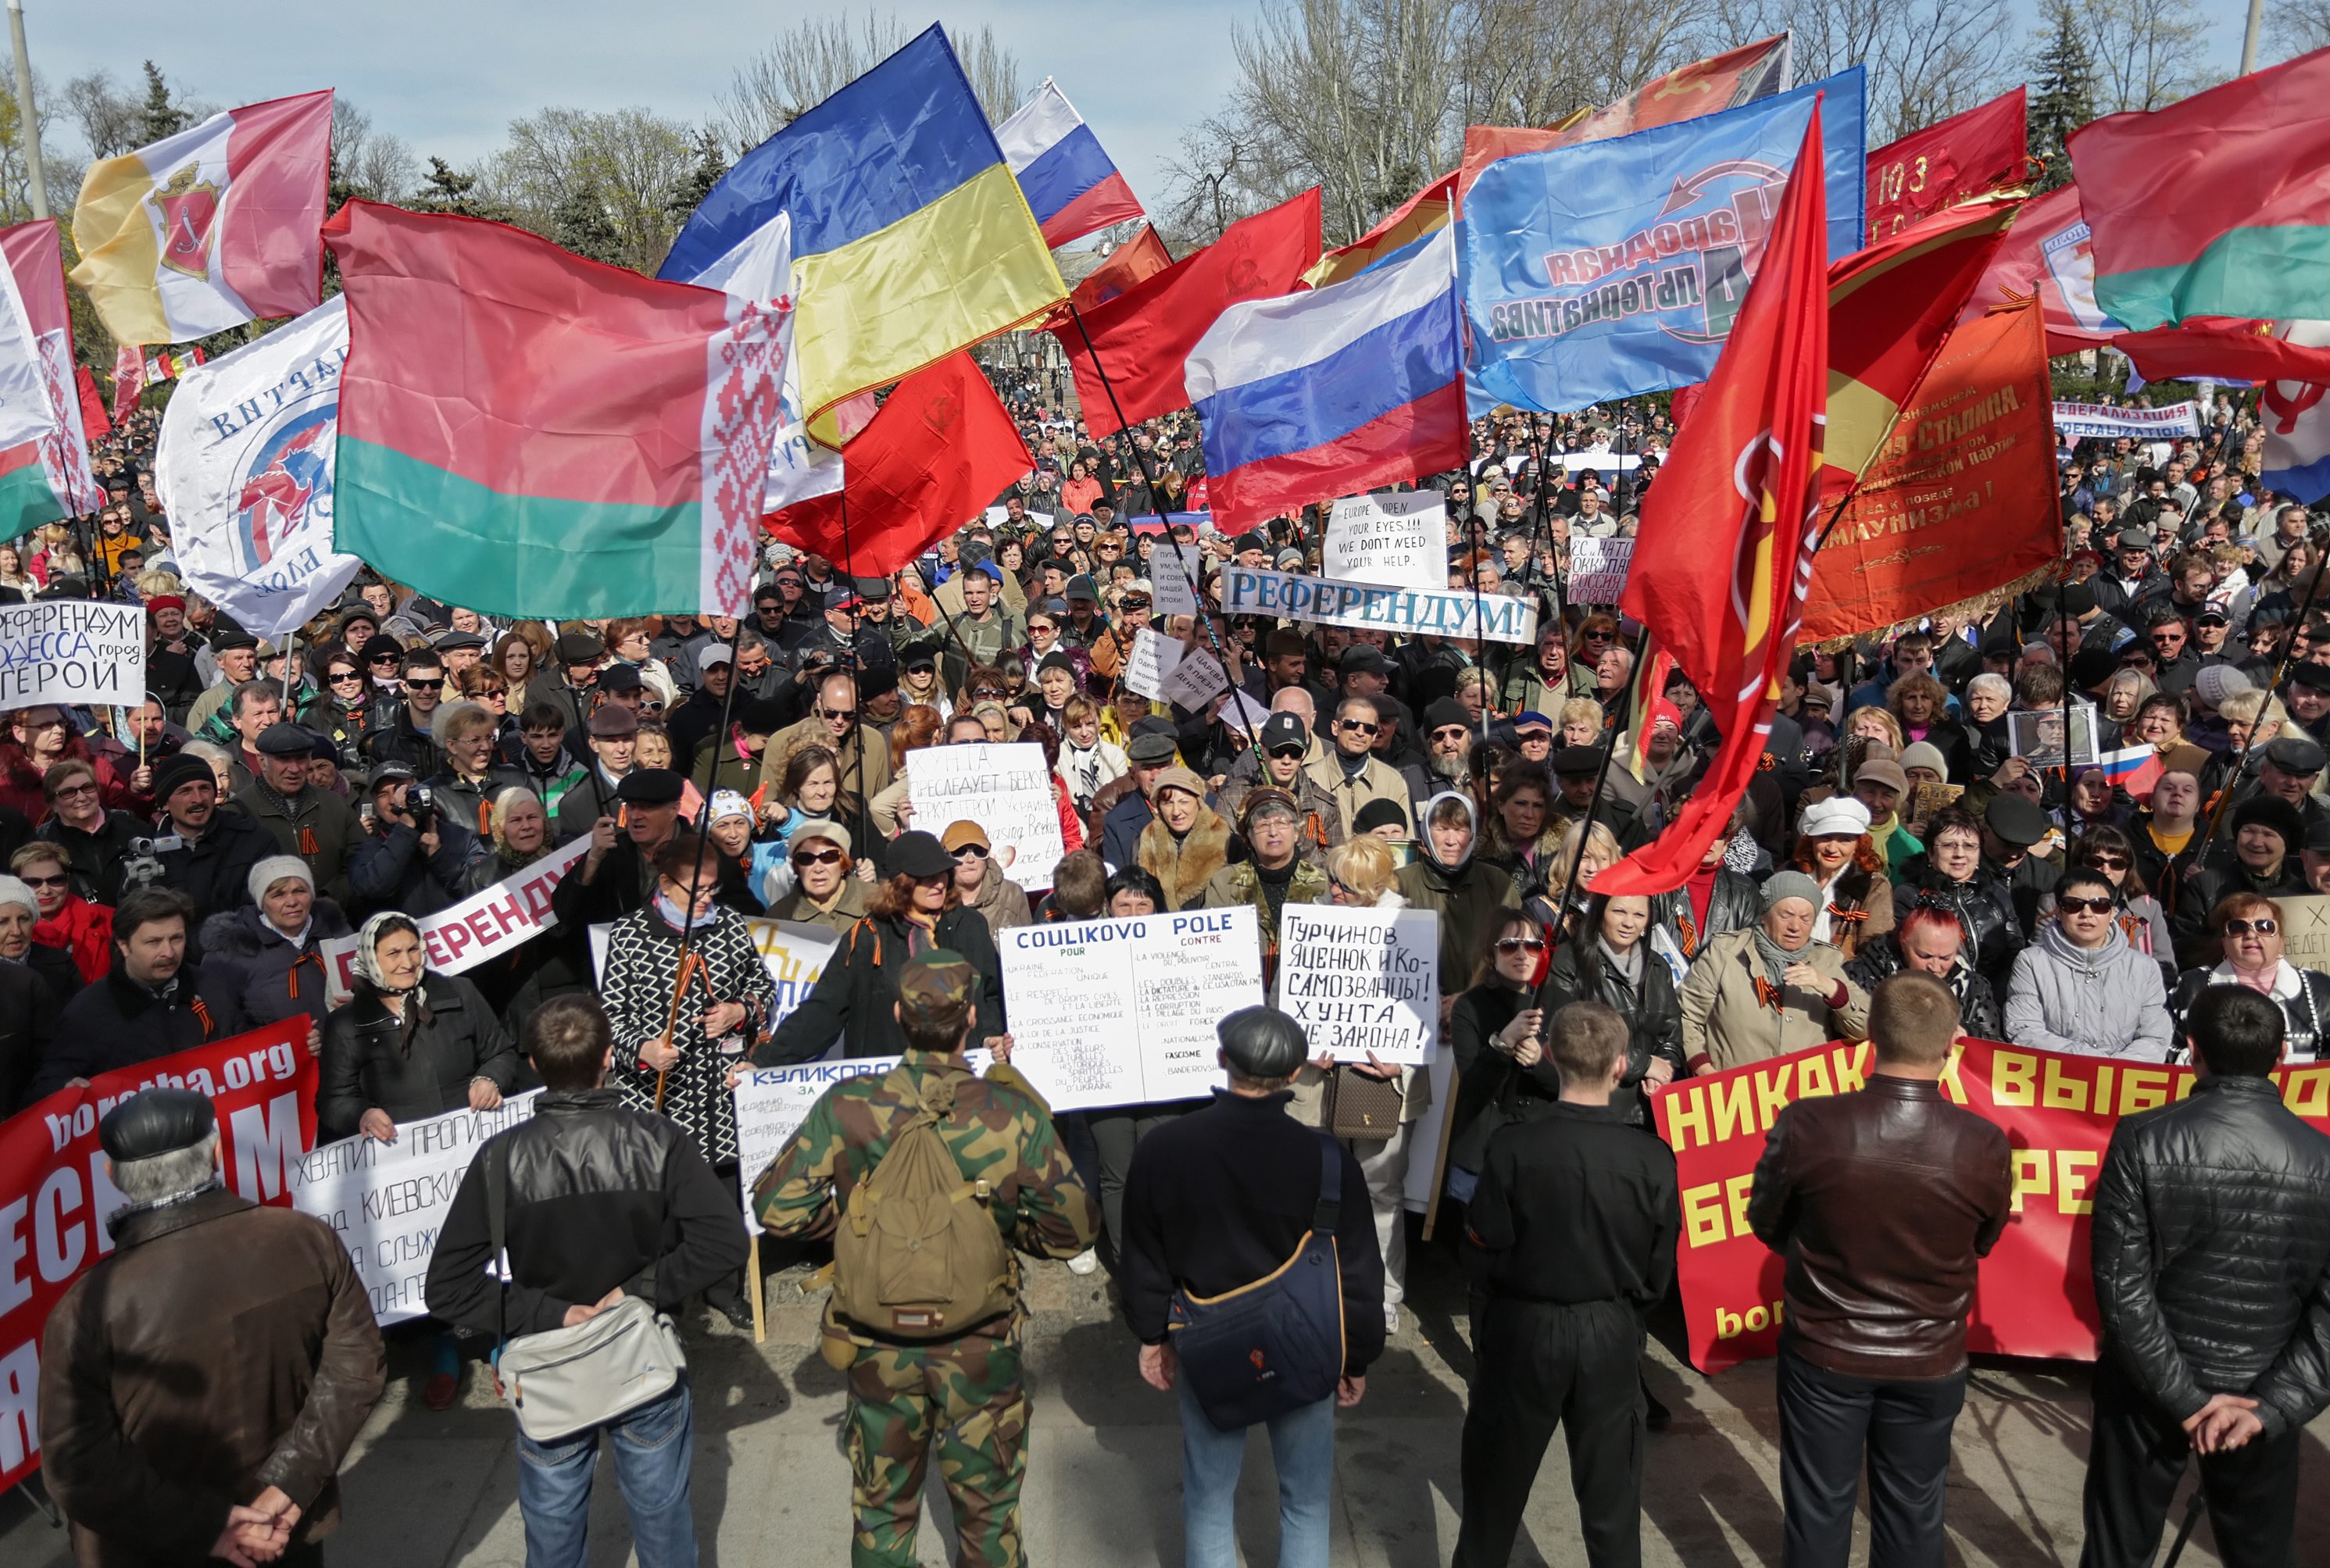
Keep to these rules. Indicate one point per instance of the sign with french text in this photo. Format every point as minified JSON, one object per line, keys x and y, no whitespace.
{"x":1360,"y":981}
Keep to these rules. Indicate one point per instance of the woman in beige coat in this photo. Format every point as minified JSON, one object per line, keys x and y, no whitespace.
{"x":1769,"y":989}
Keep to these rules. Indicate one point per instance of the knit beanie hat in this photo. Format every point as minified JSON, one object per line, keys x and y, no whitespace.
{"x":275,"y":868}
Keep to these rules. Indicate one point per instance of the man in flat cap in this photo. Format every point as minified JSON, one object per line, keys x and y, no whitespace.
{"x":316,"y":825}
{"x":200,"y":1385}
{"x":916,"y":1380}
{"x":617,"y":875}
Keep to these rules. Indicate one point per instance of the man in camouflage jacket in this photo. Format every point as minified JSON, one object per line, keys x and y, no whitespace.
{"x":965,"y":1391}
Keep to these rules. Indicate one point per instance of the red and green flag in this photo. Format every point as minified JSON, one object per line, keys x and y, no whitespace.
{"x":2219,"y":205}
{"x":531,"y":433}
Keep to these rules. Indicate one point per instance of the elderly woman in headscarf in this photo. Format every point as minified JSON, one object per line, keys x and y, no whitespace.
{"x":267,"y":950}
{"x":1770,"y":988}
{"x":410,"y":1045}
{"x":1186,"y":842}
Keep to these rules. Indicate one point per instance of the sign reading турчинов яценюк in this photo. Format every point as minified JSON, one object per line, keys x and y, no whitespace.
{"x":72,"y":651}
{"x":1362,"y":981}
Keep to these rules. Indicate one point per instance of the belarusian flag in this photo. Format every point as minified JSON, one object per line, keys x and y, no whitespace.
{"x":48,"y":477}
{"x":210,"y":228}
{"x":529,"y":433}
{"x":2219,"y":205}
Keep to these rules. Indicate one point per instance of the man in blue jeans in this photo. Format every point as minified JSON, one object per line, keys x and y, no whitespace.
{"x":598,"y":1196}
{"x":1217,"y":1200}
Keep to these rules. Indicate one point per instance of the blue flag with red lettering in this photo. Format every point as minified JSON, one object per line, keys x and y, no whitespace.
{"x":1613,"y":269}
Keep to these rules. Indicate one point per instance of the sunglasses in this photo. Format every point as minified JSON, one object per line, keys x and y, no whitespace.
{"x":817,"y":857}
{"x":1134,"y":601}
{"x":383,"y":661}
{"x":1458,"y":732}
{"x":2262,"y":927}
{"x":837,"y":712}
{"x":2107,"y":862}
{"x":2086,"y":905}
{"x":1356,"y":726}
{"x":971,"y":851}
{"x":1521,"y":944}
{"x":995,"y":692}
{"x":1288,"y":750}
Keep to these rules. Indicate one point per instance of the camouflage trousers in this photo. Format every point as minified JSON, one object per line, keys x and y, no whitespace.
{"x":966,"y":1395}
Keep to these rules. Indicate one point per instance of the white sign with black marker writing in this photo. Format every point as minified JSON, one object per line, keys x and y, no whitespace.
{"x":1006,"y":790}
{"x":1394,"y":539}
{"x":1597,"y":570}
{"x":1154,"y":657}
{"x":75,"y":652}
{"x":771,"y":1103}
{"x":1362,"y":980}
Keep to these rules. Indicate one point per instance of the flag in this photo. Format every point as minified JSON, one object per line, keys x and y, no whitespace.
{"x":93,"y":420}
{"x":244,"y":469}
{"x":1742,"y":76}
{"x":941,"y":447}
{"x":2216,"y":205}
{"x":1136,"y":260}
{"x":1070,"y":183}
{"x":1605,"y":271}
{"x":2297,"y":459}
{"x":910,"y":238}
{"x":1931,"y":170}
{"x":1646,"y":708}
{"x":210,"y":228}
{"x":2048,"y":256}
{"x":1725,"y":550}
{"x":2136,"y":770}
{"x":46,"y":475}
{"x":1137,"y":343}
{"x":1424,"y":212}
{"x":1335,"y":391}
{"x":534,"y":434}
{"x":171,"y":363}
{"x":1890,"y":309}
{"x":2212,"y":348}
{"x":128,"y":379}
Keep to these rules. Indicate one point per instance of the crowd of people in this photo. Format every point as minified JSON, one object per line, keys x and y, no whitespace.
{"x":1908,"y":866}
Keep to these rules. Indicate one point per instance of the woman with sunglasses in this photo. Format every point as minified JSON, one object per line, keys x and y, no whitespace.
{"x":2253,"y":936}
{"x":2079,"y":987}
{"x":1618,"y":969}
{"x":343,"y":710}
{"x":824,"y":892}
{"x":67,"y":922}
{"x":1496,"y":1031}
{"x":2142,"y":919}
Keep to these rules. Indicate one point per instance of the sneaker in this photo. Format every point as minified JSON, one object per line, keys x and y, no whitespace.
{"x":442,"y":1390}
{"x":1084,"y":1262}
{"x":1391,"y":1318}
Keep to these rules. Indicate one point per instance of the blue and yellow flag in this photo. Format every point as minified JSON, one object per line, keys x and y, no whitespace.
{"x":910,"y":238}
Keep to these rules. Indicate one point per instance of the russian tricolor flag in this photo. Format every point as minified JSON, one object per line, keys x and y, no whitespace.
{"x":1069,"y":182}
{"x":2135,"y":769}
{"x":1333,"y":391}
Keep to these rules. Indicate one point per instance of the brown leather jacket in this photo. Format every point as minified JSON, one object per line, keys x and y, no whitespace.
{"x":222,"y":1349}
{"x":1881,"y":1201}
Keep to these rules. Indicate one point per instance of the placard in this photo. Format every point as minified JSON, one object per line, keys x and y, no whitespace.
{"x":1361,"y":980}
{"x":771,"y":1103}
{"x":1173,"y":581}
{"x":1122,"y":1012}
{"x":1154,"y":657}
{"x":2036,"y":735}
{"x":1597,"y":570}
{"x":2306,"y":930}
{"x":1197,"y":679}
{"x":74,"y":652}
{"x":387,"y":1201}
{"x":484,"y":925}
{"x":1006,"y":790}
{"x":2109,"y":423}
{"x":1250,"y":590}
{"x":1400,"y":538}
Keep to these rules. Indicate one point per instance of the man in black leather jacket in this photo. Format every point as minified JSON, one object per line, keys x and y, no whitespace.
{"x":2212,"y":1255}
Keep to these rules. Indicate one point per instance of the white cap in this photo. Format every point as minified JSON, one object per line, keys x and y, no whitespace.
{"x":1834,"y":816}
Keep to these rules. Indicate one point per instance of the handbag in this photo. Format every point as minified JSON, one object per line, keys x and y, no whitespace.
{"x":562,"y":1380}
{"x":1364,"y":1107}
{"x":1274,"y":1345}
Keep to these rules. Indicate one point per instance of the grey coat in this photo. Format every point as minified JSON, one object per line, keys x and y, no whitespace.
{"x":2106,"y":1002}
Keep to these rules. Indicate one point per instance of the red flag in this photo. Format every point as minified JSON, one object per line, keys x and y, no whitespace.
{"x":129,"y":378}
{"x":928,"y":462}
{"x":94,"y":425}
{"x":1966,"y":155}
{"x":1725,"y":552}
{"x":2223,"y":349}
{"x":1143,"y":335}
{"x":1136,"y":260}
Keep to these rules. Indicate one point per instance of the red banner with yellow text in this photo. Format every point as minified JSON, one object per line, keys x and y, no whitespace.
{"x":2034,"y":1296}
{"x":55,"y":1191}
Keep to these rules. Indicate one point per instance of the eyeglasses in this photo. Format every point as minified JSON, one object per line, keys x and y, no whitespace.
{"x":827,"y":713}
{"x":2087,"y":906}
{"x":2107,"y":862}
{"x":2263,"y":928}
{"x":1509,"y":945}
{"x":59,"y":880}
{"x":816,"y":857}
{"x":971,"y":851}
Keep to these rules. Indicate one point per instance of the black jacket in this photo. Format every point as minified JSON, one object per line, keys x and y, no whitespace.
{"x":1652,"y":1011}
{"x":2219,"y":874}
{"x":1575,"y":1207}
{"x":2212,"y":1253}
{"x":852,"y":997}
{"x":392,"y":870}
{"x":95,"y":859}
{"x":597,"y":1193}
{"x":1492,"y":1089}
{"x":1222,"y":1197}
{"x":269,"y":977}
{"x":117,"y":1022}
{"x":1984,"y":905}
{"x":370,"y":1063}
{"x":1736,"y":902}
{"x":29,"y":1010}
{"x":2306,"y":1017}
{"x":1978,"y":1014}
{"x":215,"y":870}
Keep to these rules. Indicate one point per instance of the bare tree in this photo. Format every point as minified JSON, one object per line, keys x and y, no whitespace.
{"x":365,"y":161}
{"x":1926,"y":59}
{"x":564,"y":166}
{"x":2145,"y":51}
{"x":108,"y":118}
{"x":812,"y":59}
{"x":63,"y":175}
{"x":2300,"y":26}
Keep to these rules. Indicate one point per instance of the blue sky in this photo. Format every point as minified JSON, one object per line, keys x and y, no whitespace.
{"x":449,"y":75}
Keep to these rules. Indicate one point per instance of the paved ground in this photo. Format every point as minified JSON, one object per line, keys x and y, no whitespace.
{"x":426,"y":1489}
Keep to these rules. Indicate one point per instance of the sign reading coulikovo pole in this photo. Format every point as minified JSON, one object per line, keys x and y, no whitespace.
{"x":1500,"y":617}
{"x":74,"y":651}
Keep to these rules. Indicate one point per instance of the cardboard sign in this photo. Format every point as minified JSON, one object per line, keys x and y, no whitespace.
{"x":74,"y":652}
{"x":1197,"y":679}
{"x":387,"y":1201}
{"x":1006,"y":790}
{"x":1122,"y":1012}
{"x":484,"y":925}
{"x":1154,"y":657}
{"x":1395,"y":538}
{"x":1597,"y":570}
{"x":1361,"y":980}
{"x":2306,"y":930}
{"x":1173,"y":581}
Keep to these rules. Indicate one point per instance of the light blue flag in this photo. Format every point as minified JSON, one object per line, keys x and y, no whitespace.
{"x":1614,"y":269}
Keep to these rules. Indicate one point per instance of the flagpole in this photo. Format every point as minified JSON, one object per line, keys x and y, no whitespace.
{"x":703,"y":837}
{"x":857,"y":702}
{"x":1149,"y":477}
{"x":2280,"y":671}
